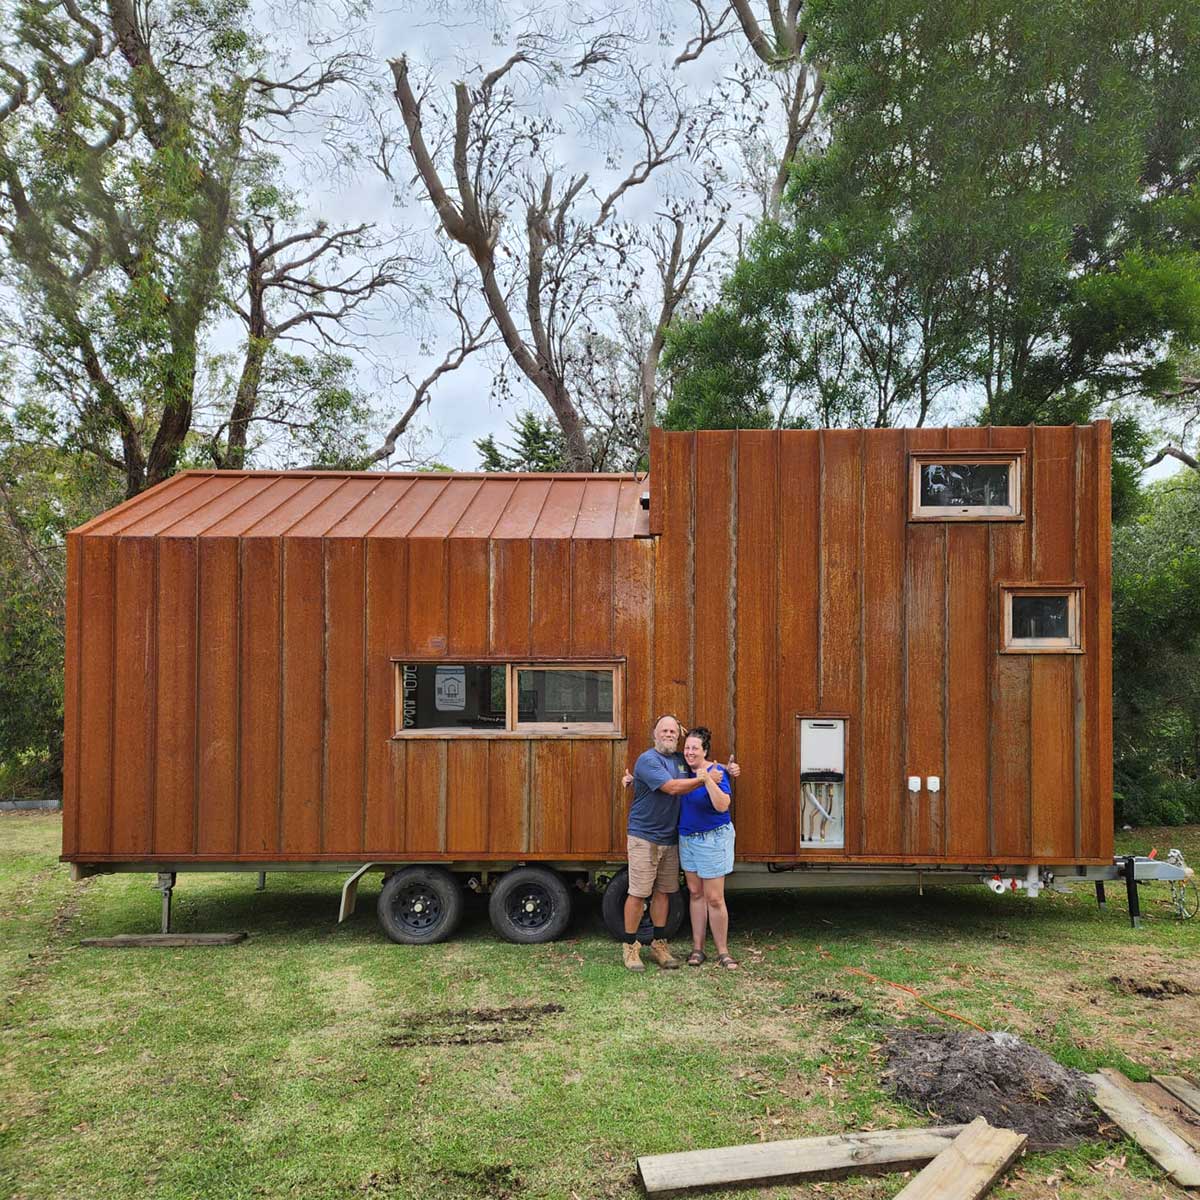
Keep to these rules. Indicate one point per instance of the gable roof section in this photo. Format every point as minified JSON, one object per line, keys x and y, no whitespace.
{"x":342,"y":504}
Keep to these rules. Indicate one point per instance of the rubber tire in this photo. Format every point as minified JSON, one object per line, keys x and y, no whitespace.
{"x":612,"y":907}
{"x":440,"y":886}
{"x":531,"y":880}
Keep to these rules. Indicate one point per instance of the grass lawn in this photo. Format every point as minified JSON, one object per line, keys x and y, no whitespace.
{"x":270,"y":1068}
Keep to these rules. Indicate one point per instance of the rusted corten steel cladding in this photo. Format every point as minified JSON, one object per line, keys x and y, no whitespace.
{"x":232,"y":642}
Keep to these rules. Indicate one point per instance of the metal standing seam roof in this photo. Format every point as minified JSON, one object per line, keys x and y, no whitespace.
{"x":375,"y":504}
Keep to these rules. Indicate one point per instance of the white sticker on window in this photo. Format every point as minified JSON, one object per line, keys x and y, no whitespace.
{"x":450,"y":689}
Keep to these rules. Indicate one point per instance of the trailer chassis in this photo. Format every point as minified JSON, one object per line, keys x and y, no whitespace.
{"x":788,"y":876}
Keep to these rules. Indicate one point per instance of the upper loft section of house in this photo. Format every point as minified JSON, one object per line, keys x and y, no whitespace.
{"x":963,"y":474}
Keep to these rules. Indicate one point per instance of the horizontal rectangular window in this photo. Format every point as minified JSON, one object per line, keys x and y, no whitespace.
{"x":980,"y":486}
{"x":512,"y":698}
{"x":1041,"y":619}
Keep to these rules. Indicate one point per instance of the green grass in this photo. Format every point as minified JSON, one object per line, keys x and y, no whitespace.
{"x":263,"y":1069}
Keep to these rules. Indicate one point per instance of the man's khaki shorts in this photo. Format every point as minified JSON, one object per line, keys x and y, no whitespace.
{"x":652,"y":868}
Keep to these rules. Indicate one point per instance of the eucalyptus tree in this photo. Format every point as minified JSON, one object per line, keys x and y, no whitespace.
{"x":142,"y":149}
{"x":560,"y":254}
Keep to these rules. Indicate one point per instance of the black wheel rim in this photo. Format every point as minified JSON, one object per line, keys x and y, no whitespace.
{"x":530,"y":907}
{"x":418,"y":908}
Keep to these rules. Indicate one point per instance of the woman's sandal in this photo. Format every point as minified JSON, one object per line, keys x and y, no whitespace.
{"x":696,"y":958}
{"x":728,"y":962}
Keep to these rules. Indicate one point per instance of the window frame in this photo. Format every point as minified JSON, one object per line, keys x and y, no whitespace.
{"x":1072,"y":644}
{"x":1013,"y":511}
{"x":513,"y":729}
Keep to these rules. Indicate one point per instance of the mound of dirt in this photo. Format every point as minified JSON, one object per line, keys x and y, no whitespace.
{"x":1155,"y":989}
{"x":961,"y":1076}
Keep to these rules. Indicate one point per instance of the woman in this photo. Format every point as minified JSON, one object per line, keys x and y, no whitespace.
{"x":706,"y":848}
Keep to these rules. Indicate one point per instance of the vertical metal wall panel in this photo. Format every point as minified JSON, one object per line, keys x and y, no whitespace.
{"x":345,"y":620}
{"x":590,"y":796}
{"x":508,"y":625}
{"x":1101,"y":716}
{"x":657,"y":481}
{"x":757,"y":639}
{"x":174,"y":759}
{"x":97,"y":555}
{"x":967,"y":694}
{"x":1052,"y":676}
{"x":550,"y":796}
{"x":1052,"y":756}
{"x":218,"y":696}
{"x":675,"y":581}
{"x":885,"y":517}
{"x":798,"y":617}
{"x":925,"y":669}
{"x":134,"y":700}
{"x":467,"y":790}
{"x":716,"y":579}
{"x":259,"y":732}
{"x":925,"y":696}
{"x":71,"y":705}
{"x":591,"y":597}
{"x":468,"y":573}
{"x":424,"y":797}
{"x":634,"y":617}
{"x":550,"y":630}
{"x":1009,"y":752}
{"x":508,"y":797}
{"x":1087,"y":665}
{"x":841,"y":603}
{"x":387,"y":603}
{"x":303,"y":690}
{"x":427,"y":600}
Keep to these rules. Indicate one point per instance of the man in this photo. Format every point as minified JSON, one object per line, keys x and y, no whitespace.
{"x":660,"y":777}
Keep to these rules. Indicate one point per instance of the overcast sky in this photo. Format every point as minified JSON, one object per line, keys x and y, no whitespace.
{"x":452,"y":39}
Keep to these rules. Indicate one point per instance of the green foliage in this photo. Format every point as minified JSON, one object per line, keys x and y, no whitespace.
{"x":43,"y":493}
{"x":1156,"y":644}
{"x":538,"y":445}
{"x":1001,"y":216}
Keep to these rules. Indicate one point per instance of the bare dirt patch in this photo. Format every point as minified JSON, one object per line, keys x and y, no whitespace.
{"x":1154,"y":989}
{"x":472,"y":1026}
{"x":960,"y":1076}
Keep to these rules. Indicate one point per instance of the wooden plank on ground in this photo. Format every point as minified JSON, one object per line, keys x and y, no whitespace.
{"x":169,"y":940}
{"x":1155,"y":1137}
{"x":876,"y":1152}
{"x":1172,"y":1111}
{"x":1181,"y":1089}
{"x":968,"y":1167}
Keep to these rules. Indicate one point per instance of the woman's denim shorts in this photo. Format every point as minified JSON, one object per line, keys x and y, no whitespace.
{"x":710,"y":854}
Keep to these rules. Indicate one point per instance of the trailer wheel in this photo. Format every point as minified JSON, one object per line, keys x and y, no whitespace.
{"x":530,"y":904}
{"x":612,"y":907}
{"x":420,"y":905}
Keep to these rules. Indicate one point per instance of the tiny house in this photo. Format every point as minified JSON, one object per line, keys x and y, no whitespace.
{"x":903,"y":635}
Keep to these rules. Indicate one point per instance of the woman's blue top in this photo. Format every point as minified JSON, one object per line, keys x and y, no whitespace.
{"x":696,"y":813}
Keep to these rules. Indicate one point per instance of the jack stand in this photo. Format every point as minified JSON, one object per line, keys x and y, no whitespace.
{"x":1101,"y":901}
{"x":262,"y":882}
{"x":1131,"y":889}
{"x":166,"y":884}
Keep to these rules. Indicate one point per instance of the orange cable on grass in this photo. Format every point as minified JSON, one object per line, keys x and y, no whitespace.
{"x":945,"y":1012}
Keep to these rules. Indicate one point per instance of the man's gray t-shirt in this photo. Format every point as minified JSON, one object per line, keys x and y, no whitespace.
{"x":654,"y":815}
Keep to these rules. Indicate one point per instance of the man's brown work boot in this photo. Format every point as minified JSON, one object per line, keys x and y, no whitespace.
{"x":661,"y":953}
{"x":632,"y":953}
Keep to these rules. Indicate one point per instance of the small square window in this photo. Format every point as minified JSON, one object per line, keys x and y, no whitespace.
{"x":1038,"y":619}
{"x":984,"y":486}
